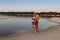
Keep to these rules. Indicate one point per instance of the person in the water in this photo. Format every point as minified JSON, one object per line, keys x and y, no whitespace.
{"x":36,"y":17}
{"x":33,"y":24}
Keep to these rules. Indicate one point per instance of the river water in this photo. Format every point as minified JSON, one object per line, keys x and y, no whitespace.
{"x":10,"y":25}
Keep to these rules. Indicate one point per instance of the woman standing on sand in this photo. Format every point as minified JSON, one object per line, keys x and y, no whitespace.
{"x":36,"y":17}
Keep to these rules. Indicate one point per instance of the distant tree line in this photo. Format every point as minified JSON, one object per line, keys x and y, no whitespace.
{"x":26,"y":13}
{"x":17,"y":13}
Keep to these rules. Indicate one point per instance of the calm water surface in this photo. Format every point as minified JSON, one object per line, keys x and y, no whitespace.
{"x":10,"y":25}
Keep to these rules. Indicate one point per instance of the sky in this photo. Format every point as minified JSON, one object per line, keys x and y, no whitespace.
{"x":30,"y":5}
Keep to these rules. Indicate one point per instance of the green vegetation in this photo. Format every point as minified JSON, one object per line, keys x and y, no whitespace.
{"x":30,"y":14}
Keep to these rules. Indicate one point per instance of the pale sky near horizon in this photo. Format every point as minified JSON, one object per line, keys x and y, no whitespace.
{"x":30,"y":5}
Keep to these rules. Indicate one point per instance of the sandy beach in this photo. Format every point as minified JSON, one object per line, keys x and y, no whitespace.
{"x":54,"y":19}
{"x":52,"y":33}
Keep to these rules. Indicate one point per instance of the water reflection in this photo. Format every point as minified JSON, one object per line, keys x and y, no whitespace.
{"x":2,"y":17}
{"x":14,"y":25}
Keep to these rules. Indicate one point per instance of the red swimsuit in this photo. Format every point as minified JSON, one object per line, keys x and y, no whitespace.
{"x":33,"y":23}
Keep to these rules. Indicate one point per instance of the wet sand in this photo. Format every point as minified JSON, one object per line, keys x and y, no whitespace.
{"x":52,"y":33}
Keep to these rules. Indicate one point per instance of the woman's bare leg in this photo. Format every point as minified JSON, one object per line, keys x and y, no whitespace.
{"x":34,"y":28}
